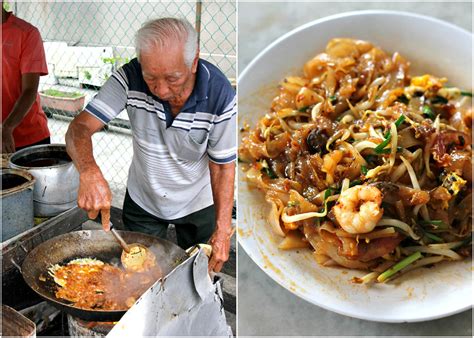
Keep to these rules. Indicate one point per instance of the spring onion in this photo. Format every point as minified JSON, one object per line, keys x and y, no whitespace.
{"x":387,"y":151}
{"x":364,"y":170}
{"x":384,"y":143}
{"x":388,"y":135}
{"x":464,"y":242}
{"x":400,"y":265}
{"x":466,"y":94}
{"x":267,"y":170}
{"x":400,"y":120}
{"x":439,"y":99}
{"x":434,"y":237}
{"x":428,"y":112}
{"x":354,"y":183}
{"x":438,"y":223}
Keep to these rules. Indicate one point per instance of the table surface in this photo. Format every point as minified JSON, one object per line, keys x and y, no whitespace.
{"x":264,"y":307}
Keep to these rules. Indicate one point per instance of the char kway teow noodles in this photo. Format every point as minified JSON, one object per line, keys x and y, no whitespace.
{"x":89,"y":283}
{"x":366,"y":165}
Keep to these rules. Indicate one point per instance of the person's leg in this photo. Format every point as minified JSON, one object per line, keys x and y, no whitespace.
{"x":43,"y":141}
{"x":195,"y":228}
{"x":139,"y":220}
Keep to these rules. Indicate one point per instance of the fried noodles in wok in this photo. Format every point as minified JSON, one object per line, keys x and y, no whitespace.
{"x":92,"y":284}
{"x":367,"y":166}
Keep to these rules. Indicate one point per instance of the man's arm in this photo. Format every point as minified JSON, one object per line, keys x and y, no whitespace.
{"x":94,"y":194}
{"x":222,"y":184}
{"x":29,"y":85}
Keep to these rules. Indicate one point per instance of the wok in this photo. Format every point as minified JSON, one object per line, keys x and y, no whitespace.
{"x":96,"y":244}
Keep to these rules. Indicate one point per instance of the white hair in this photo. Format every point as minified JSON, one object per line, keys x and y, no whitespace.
{"x":165,"y":31}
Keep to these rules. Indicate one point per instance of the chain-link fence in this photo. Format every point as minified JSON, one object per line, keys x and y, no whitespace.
{"x":86,"y":41}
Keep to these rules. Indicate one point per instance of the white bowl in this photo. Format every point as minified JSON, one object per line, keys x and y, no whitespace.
{"x":432,"y":46}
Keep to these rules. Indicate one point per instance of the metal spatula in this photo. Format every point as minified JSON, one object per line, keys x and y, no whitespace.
{"x":134,"y":256}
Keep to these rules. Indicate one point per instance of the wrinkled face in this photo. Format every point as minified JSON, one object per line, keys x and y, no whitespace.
{"x":166,"y":73}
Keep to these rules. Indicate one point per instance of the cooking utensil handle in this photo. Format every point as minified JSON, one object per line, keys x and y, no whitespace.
{"x":195,"y":248}
{"x":119,"y":238}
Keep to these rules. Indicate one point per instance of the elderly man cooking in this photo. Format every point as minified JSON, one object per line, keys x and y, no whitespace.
{"x":182,"y":113}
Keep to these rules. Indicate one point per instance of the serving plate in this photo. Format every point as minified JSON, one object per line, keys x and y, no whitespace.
{"x":432,"y":46}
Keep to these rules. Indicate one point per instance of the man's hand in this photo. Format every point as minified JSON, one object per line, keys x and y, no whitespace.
{"x":29,"y":90}
{"x":222,"y":184}
{"x":220,"y":242}
{"x":94,"y":193}
{"x":95,"y":196}
{"x":8,"y":143}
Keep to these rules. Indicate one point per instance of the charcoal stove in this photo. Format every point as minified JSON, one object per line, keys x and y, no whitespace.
{"x":81,"y":328}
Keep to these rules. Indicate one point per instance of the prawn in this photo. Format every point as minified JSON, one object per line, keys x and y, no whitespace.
{"x":358,"y":209}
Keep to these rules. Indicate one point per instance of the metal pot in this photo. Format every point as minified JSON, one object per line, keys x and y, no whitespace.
{"x":57,"y":179}
{"x":17,"y":202}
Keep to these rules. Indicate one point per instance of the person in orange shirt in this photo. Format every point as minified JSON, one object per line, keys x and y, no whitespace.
{"x":24,"y":122}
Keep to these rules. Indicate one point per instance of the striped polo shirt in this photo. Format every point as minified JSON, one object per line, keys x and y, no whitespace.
{"x":169,"y":175}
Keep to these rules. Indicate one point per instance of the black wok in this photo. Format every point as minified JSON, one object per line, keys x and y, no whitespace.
{"x":96,"y":244}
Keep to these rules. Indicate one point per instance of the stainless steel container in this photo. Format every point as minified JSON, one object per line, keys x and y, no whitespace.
{"x":17,"y":202}
{"x":57,"y":179}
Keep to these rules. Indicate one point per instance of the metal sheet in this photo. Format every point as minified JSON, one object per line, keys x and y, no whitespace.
{"x":175,"y":307}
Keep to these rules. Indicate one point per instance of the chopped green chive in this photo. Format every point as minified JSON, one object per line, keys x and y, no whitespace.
{"x":466,"y":241}
{"x":327,"y":193}
{"x":384,"y":143}
{"x":364,"y":170}
{"x":355,"y":182}
{"x":267,"y":170}
{"x":388,"y":150}
{"x":333,"y":99}
{"x":466,"y":94}
{"x":434,"y":237}
{"x":303,"y":109}
{"x":439,"y":99}
{"x":388,"y":136}
{"x":434,"y":222}
{"x":400,"y":120}
{"x":428,"y":112}
{"x":400,"y":265}
{"x":269,"y":173}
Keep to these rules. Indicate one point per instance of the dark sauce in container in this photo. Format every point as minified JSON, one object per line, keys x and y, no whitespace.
{"x":43,"y":159}
{"x":11,"y":180}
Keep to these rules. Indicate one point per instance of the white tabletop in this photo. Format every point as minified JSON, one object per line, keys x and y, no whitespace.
{"x":264,"y":307}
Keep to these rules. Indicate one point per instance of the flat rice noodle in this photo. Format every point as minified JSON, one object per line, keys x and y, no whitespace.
{"x":406,"y":138}
{"x":393,"y":193}
{"x":301,"y":203}
{"x":275,"y":215}
{"x":278,"y":145}
{"x":331,"y":250}
{"x":377,"y":247}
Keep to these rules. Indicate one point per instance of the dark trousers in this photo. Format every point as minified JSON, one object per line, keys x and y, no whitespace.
{"x":43,"y":141}
{"x":190,"y":230}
